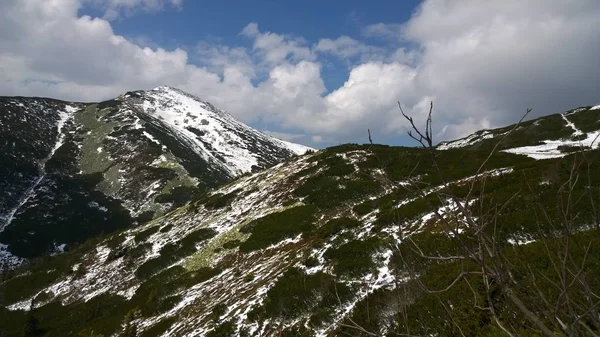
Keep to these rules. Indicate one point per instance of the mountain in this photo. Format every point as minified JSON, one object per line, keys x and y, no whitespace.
{"x":71,"y":171}
{"x":334,"y":243}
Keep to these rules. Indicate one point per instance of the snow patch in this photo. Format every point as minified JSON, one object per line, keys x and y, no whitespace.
{"x":149,"y":136}
{"x":550,"y":150}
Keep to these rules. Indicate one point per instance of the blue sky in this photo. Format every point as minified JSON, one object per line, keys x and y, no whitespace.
{"x":315,"y":72}
{"x":222,"y":21}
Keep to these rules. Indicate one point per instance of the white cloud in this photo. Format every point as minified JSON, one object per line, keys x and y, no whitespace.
{"x":349,"y":49}
{"x":391,"y":31}
{"x":489,"y":61}
{"x":276,"y":48}
{"x":482,"y":62}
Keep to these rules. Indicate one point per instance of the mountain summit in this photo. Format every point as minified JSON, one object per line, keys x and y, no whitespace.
{"x":212,"y":133}
{"x":71,"y":171}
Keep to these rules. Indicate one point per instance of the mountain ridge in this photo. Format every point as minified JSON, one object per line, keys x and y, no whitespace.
{"x":313,"y":245}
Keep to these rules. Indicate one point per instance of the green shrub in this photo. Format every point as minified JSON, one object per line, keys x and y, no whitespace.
{"x":249,"y":277}
{"x":334,"y":226}
{"x":21,"y":287}
{"x":296,"y":293}
{"x":586,"y":121}
{"x":159,"y":328}
{"x":178,"y":196}
{"x":143,"y":235}
{"x":231,"y":244}
{"x":277,"y":226}
{"x":226,"y":329}
{"x":364,"y":208}
{"x":218,"y":311}
{"x":355,"y":258}
{"x":218,"y":200}
{"x":310,"y":262}
{"x":329,"y":191}
{"x":156,"y":294}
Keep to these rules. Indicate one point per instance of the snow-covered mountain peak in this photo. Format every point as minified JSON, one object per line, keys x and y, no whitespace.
{"x":213,"y":133}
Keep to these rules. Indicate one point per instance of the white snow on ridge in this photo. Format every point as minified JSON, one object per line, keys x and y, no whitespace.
{"x":298,"y":149}
{"x":208,"y":129}
{"x":597,"y":107}
{"x":469,"y":140}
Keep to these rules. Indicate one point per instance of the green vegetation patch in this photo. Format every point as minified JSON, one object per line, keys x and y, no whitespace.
{"x":337,"y":166}
{"x":145,"y":234}
{"x":30,"y":278}
{"x":166,"y":228}
{"x":326,"y":191}
{"x":278,"y":226}
{"x":355,"y":258}
{"x":407,"y":212}
{"x":334,"y":226}
{"x":102,"y":315}
{"x":20,"y":287}
{"x":94,"y":160}
{"x":216,"y":201}
{"x":297,"y":293}
{"x":178,"y":195}
{"x":586,"y":120}
{"x":159,"y":293}
{"x":173,"y":252}
{"x":159,"y":328}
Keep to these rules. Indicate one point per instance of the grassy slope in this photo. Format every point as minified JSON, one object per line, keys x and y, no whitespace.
{"x":264,"y":254}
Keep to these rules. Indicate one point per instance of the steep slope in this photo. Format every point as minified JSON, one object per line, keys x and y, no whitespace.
{"x":31,"y":130}
{"x":310,"y":247}
{"x":72,"y":170}
{"x":211,"y":132}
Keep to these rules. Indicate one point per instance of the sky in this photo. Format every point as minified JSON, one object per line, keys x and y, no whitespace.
{"x":314,"y":72}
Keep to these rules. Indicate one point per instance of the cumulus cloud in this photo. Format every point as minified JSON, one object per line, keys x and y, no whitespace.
{"x":277,"y":48}
{"x":482,"y":63}
{"x":488,"y":61}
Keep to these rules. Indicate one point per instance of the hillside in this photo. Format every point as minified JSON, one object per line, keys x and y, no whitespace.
{"x":71,"y":171}
{"x":552,"y":136}
{"x":334,"y":243}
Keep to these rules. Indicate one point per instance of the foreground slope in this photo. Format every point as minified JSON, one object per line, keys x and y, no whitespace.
{"x":71,"y":171}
